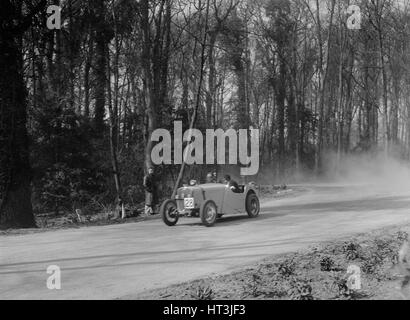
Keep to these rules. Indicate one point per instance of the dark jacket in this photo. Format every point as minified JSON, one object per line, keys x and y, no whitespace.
{"x":150,"y":190}
{"x":234,"y":184}
{"x":149,"y":183}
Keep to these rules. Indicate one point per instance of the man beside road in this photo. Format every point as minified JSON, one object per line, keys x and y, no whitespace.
{"x":151,"y":197}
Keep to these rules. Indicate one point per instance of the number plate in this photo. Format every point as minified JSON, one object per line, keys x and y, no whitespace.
{"x":189,"y":203}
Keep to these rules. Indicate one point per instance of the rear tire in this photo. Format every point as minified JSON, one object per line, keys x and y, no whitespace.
{"x":169,"y":212}
{"x":252,"y":205}
{"x":208,"y":213}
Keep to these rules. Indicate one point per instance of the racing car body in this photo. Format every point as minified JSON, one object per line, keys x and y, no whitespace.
{"x":209,"y":202}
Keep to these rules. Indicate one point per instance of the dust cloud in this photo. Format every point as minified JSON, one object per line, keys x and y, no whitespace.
{"x":373,"y":170}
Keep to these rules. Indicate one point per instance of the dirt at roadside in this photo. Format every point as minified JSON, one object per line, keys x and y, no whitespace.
{"x":317,"y":273}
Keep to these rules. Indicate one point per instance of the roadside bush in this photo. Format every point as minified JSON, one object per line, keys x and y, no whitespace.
{"x":327,"y":264}
{"x":351,"y":250}
{"x":371,"y":264}
{"x":380,"y":256}
{"x":203,"y":292}
{"x":301,"y":290}
{"x":253,"y":286}
{"x":287,"y":268}
{"x":68,"y":188}
{"x":339,"y":284}
{"x":402,"y":236}
{"x":274,"y":290}
{"x":385,"y":248}
{"x":269,"y":287}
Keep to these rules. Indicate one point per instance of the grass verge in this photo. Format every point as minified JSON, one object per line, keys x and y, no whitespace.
{"x":316,"y":273}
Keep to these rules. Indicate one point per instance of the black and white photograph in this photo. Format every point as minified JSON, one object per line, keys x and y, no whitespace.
{"x":232,"y":151}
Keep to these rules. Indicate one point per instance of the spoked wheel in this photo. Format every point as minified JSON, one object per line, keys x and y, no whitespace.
{"x":169,"y":212}
{"x":252,"y":205}
{"x":208,"y":213}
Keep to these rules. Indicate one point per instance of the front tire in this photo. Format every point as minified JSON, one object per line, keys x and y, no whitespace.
{"x":208,"y":213}
{"x":169,"y":212}
{"x":252,"y":205}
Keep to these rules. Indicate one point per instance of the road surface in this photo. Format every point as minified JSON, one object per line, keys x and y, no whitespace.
{"x":121,"y":261}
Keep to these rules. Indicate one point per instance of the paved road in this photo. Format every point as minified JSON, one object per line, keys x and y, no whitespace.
{"x":120,"y":261}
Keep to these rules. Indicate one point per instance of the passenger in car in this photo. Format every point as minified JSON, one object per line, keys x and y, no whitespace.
{"x":214,"y":177}
{"x":232,"y":184}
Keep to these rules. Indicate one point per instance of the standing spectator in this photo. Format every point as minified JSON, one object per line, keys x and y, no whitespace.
{"x":151,"y":197}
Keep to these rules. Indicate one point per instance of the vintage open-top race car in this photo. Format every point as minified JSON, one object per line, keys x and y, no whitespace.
{"x":209,"y":202}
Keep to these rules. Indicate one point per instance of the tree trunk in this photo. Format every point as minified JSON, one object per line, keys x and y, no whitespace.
{"x":100,"y":67}
{"x":210,"y":95}
{"x":280,"y":95}
{"x":148,"y":81}
{"x":113,"y":144}
{"x":324,"y":67}
{"x":87,"y":70}
{"x":15,"y":172}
